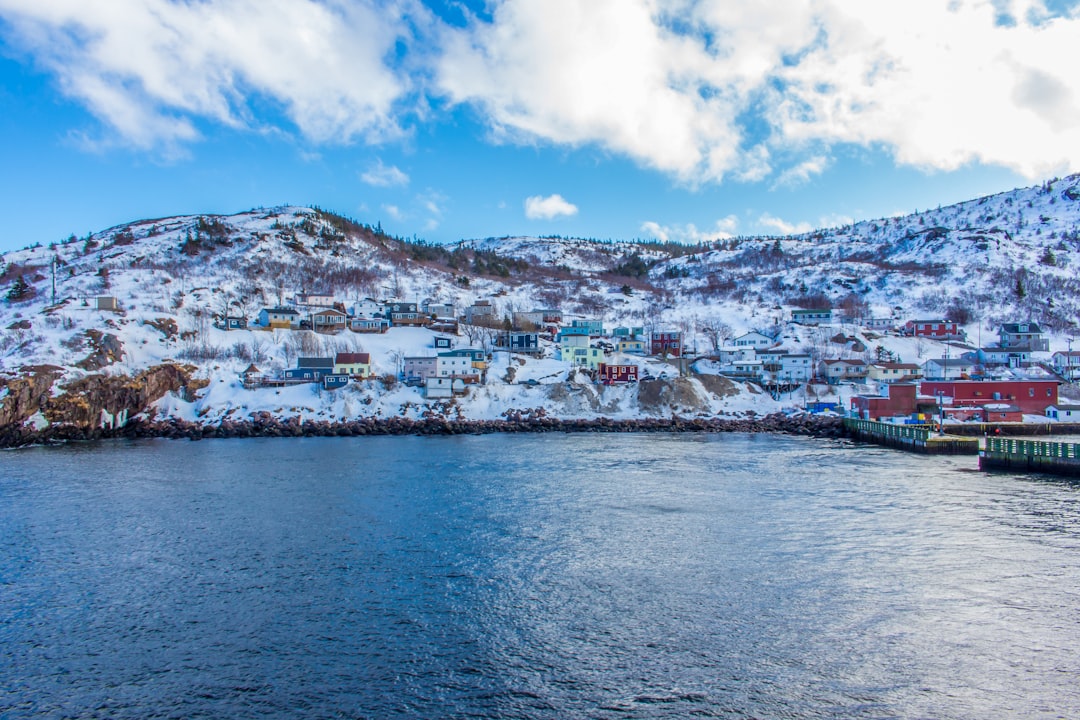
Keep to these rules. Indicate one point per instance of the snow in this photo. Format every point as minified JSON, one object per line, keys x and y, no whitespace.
{"x":917,"y":265}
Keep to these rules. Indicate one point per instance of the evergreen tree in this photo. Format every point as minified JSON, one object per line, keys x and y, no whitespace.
{"x":19,"y":289}
{"x":1021,"y":292}
{"x":1048,"y":258}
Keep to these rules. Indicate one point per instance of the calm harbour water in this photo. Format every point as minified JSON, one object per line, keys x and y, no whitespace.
{"x":545,"y":576}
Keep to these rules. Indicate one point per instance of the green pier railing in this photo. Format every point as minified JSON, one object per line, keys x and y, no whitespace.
{"x":916,"y":438}
{"x":915,"y":433}
{"x":1033,"y":448}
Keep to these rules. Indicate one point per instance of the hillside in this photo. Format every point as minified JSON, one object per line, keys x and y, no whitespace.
{"x":1004,"y":257}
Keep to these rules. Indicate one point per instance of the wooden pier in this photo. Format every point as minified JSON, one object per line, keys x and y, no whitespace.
{"x":913,"y":438}
{"x":1030,"y":456}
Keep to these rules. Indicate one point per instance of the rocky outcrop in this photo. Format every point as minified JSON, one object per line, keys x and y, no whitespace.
{"x":91,"y":406}
{"x":663,"y":395}
{"x":26,"y":393}
{"x":106,"y":349}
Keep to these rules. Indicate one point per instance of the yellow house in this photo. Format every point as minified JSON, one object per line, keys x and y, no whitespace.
{"x":893,"y":372}
{"x":355,"y":364}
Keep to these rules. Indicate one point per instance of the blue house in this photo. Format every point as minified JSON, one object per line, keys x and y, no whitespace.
{"x":310,"y":370}
{"x":519,"y":342}
{"x":595,"y":327}
{"x":333,"y":381}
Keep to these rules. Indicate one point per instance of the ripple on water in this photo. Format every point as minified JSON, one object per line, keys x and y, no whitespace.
{"x":547,"y":576}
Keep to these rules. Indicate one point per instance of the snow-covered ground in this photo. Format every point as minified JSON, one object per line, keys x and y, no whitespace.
{"x":1008,"y":257}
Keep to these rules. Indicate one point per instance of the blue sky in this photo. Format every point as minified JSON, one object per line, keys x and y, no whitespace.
{"x":674,"y":119}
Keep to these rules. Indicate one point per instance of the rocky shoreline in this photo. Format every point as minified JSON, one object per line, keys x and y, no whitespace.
{"x":267,"y":426}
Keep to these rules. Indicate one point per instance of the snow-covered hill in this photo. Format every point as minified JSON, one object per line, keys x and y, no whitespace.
{"x":1005,"y":257}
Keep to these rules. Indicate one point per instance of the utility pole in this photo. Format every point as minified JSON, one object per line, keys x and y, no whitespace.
{"x":52,"y":265}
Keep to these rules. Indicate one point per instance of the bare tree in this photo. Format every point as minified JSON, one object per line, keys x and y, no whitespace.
{"x":716,"y":331}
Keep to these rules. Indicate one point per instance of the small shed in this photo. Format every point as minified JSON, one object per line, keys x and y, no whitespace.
{"x":107,"y":302}
{"x":333,"y":381}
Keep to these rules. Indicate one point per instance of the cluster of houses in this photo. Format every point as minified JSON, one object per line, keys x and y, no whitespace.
{"x":322,"y":313}
{"x":587,"y":345}
{"x":966,"y":400}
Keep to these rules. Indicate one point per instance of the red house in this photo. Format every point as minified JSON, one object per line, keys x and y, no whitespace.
{"x":617,"y":374}
{"x":900,"y":401}
{"x":933,"y":329}
{"x":1029,"y":396}
{"x":666,"y":343}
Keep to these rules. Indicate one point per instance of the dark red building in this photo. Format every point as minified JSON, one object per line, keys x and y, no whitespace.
{"x":933,"y":328}
{"x":617,"y":374}
{"x":1030,"y":396}
{"x":666,"y":343}
{"x":900,"y":401}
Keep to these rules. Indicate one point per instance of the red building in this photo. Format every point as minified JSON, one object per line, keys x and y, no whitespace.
{"x":933,"y":329}
{"x":617,"y":374}
{"x":1029,"y":396}
{"x":666,"y":343}
{"x":900,"y":401}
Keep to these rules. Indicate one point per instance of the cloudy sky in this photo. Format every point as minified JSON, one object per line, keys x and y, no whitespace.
{"x":447,"y":119}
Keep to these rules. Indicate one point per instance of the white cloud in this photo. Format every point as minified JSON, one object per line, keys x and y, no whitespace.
{"x":800,"y":174}
{"x":689,"y":233}
{"x":380,"y":175}
{"x":548,"y":208}
{"x":394,"y":211}
{"x":701,"y":90}
{"x":148,"y":69}
{"x":940,"y":84}
{"x":783,"y":227}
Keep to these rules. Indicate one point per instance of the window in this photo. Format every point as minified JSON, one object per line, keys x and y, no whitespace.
{"x":1031,"y":392}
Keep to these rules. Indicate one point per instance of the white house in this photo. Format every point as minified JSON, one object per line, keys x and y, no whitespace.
{"x":754,"y":340}
{"x":1067,"y":364}
{"x":812,"y":316}
{"x":454,"y":366}
{"x":728,"y":355}
{"x":795,"y":368}
{"x":744,"y":368}
{"x":838,"y":370}
{"x":367,"y":308}
{"x":443,"y":387}
{"x":314,"y":299}
{"x":947,"y":368}
{"x":1068,"y":413}
{"x":893,"y":372}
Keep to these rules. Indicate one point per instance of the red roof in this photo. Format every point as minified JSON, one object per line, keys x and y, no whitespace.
{"x":353,"y":359}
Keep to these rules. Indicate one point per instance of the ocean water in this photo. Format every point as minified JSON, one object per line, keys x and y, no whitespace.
{"x":542,"y":576}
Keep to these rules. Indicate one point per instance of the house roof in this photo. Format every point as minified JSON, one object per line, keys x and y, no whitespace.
{"x":896,"y":366}
{"x":803,"y":311}
{"x":330,"y":311}
{"x":1010,"y":350}
{"x":950,"y":362}
{"x":1016,"y":328}
{"x":315,"y":362}
{"x":1068,"y":408}
{"x":345,"y":358}
{"x":281,"y":311}
{"x":857,"y":363}
{"x":252,"y":369}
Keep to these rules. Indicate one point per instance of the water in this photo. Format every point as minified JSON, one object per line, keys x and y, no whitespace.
{"x":546,"y":576}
